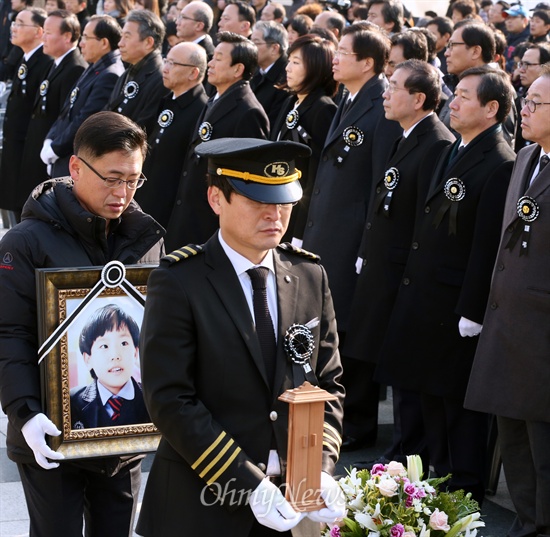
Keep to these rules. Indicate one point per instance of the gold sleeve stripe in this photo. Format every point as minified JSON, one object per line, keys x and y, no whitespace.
{"x":206,"y":453}
{"x":330,"y":429}
{"x":217,"y":458}
{"x":332,"y":448}
{"x":225,"y":466}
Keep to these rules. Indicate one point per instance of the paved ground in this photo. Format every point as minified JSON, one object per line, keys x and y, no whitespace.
{"x":497,"y":510}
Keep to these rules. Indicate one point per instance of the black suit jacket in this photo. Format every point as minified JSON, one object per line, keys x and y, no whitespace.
{"x":237,"y":113}
{"x":388,"y":234}
{"x":315,"y":115}
{"x":88,"y":96}
{"x":16,"y":122}
{"x":448,"y":270}
{"x":263,"y":86}
{"x":142,"y":106}
{"x":48,"y":103}
{"x":87,"y":410}
{"x":206,"y":388}
{"x":168,"y":147}
{"x":343,"y":187}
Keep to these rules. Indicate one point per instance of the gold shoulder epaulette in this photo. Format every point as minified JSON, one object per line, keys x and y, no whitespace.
{"x":287,"y":247}
{"x":182,"y":253}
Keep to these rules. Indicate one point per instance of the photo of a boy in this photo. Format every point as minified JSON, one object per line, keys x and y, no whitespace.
{"x":109,"y":344}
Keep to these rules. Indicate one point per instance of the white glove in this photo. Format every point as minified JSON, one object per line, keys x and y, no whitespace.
{"x":296,"y":242}
{"x":469,"y":328}
{"x":49,"y":169}
{"x":359,"y":265}
{"x":334,"y":500}
{"x":47,"y":155}
{"x":271,"y":509}
{"x":35,"y":431}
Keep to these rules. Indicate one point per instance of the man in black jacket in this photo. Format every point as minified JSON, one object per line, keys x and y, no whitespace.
{"x":84,"y":220}
{"x":139,"y":90}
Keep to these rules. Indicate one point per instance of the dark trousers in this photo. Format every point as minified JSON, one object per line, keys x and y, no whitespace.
{"x":58,"y":500}
{"x":525,"y":451}
{"x":261,"y":531}
{"x":457,"y":443}
{"x":408,"y":427}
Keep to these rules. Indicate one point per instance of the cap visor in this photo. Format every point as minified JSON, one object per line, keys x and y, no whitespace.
{"x":288,"y":193}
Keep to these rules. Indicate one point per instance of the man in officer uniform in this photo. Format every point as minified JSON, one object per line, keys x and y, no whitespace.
{"x":214,"y":360}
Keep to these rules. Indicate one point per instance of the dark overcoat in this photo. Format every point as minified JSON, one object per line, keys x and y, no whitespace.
{"x":48,"y":103}
{"x":388,"y":235}
{"x":88,"y":96}
{"x":26,"y":82}
{"x":511,"y":371}
{"x":315,"y":114}
{"x":238,"y":114}
{"x":206,"y":387}
{"x":343,"y":186}
{"x":137,"y":93}
{"x":448,"y":270}
{"x":168,"y":147}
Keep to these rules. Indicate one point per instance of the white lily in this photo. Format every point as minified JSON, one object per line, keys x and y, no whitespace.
{"x":414,"y":467}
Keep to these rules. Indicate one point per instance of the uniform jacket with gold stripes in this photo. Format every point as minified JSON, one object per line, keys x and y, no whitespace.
{"x":206,"y":388}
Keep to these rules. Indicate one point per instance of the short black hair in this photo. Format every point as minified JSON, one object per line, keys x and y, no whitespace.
{"x":38,"y":15}
{"x":423,"y":78}
{"x":444,"y":25}
{"x":246,"y":11}
{"x":494,"y":85}
{"x":69,"y":23}
{"x":478,"y":34}
{"x":369,"y":41}
{"x":108,"y":28}
{"x":392,"y":11}
{"x":244,"y":51}
{"x":544,"y":51}
{"x":106,"y":132}
{"x":301,"y":24}
{"x":413,"y":43}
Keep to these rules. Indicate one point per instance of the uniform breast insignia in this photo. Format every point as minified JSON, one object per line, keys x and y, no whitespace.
{"x":74,"y":96}
{"x":384,"y":196}
{"x":185,"y":252}
{"x":455,"y":191}
{"x":164,"y":120}
{"x":528,"y":211}
{"x":292,"y":119}
{"x":131,"y":89}
{"x":205,"y":131}
{"x":299,"y":345}
{"x":287,"y":247}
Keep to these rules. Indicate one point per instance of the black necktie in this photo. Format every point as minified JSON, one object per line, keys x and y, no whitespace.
{"x":346,"y":107}
{"x":264,"y":323}
{"x":543,"y":163}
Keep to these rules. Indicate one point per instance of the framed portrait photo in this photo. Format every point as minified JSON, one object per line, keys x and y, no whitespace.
{"x":89,"y":326}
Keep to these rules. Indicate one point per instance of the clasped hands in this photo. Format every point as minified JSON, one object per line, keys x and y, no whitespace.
{"x":272,"y":510}
{"x":34,"y":432}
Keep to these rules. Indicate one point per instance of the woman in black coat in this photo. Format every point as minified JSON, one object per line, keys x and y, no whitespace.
{"x":306,"y":115}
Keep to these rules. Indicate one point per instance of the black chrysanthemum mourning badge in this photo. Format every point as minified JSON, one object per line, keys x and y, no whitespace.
{"x":391,"y":178}
{"x":528,"y":209}
{"x":353,"y":136}
{"x":23,"y":71}
{"x":299,"y":345}
{"x":131,"y":89}
{"x":454,"y":189}
{"x":205,"y":131}
{"x":292,"y":119}
{"x":165,"y":118}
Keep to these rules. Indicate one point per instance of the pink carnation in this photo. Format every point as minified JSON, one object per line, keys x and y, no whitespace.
{"x":397,"y":531}
{"x":335,"y":532}
{"x":378,"y":469}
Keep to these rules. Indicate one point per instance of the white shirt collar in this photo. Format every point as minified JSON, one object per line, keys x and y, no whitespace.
{"x":28,"y":55}
{"x":127,"y":392}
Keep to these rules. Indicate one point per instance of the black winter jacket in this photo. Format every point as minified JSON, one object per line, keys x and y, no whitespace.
{"x":55,"y":232}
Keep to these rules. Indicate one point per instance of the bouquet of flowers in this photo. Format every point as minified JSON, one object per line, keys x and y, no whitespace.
{"x":394,"y":501}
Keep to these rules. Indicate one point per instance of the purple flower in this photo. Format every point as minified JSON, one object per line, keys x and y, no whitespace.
{"x":409,"y":501}
{"x":335,"y":532}
{"x":397,"y":531}
{"x":378,"y":469}
{"x":409,"y":489}
{"x":420,"y":493}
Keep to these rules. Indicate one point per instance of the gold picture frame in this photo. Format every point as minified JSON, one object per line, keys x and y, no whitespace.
{"x":66,"y":297}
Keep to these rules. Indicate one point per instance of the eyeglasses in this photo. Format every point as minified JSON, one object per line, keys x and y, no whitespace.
{"x":452,"y":44}
{"x":344,"y":53}
{"x":170,"y":63}
{"x":85,"y":37}
{"x":112,"y":182}
{"x":17,"y":24}
{"x":526,"y":65}
{"x":183,"y":17}
{"x":530,"y":104}
{"x":392,"y":88}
